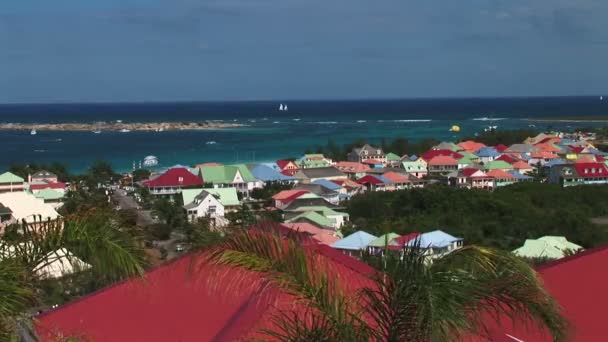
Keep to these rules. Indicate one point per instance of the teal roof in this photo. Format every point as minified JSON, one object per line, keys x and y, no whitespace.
{"x":313,"y":217}
{"x":392,"y":157}
{"x":49,"y":194}
{"x":9,"y":177}
{"x":384,"y":240}
{"x":498,"y":164}
{"x":227,"y":196}
{"x":552,"y":247}
{"x":225,"y":174}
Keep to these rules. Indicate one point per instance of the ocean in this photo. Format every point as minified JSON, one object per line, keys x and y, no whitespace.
{"x":270,"y":134}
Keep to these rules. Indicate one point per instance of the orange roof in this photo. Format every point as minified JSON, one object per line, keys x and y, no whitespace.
{"x":521,"y":165}
{"x":500,"y":174}
{"x":324,"y":236}
{"x":443,"y":160}
{"x":346,"y":166}
{"x":585,"y":159}
{"x":546,"y":147}
{"x":396,"y":177}
{"x":286,"y":194}
{"x":471,"y":146}
{"x":200,"y":166}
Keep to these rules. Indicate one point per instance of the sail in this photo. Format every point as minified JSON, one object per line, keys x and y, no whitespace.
{"x":285,"y":108}
{"x":281,"y":107}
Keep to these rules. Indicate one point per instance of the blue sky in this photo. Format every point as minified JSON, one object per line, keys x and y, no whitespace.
{"x":173,"y":50}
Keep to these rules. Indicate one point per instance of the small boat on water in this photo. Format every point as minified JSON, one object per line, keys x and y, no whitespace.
{"x":119,"y":121}
{"x":33,"y":131}
{"x":124,"y":130}
{"x":96,"y":132}
{"x":283,"y":108}
{"x":210,"y":142}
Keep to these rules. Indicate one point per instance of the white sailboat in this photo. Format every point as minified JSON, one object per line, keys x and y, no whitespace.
{"x":285,"y":108}
{"x":33,"y":131}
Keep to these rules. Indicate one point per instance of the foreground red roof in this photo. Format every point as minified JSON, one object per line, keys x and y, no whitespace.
{"x":369,"y":179}
{"x":188,"y":300}
{"x":578,"y":283}
{"x":435,"y":153}
{"x":469,"y":171}
{"x":591,"y":170}
{"x":175,"y":177}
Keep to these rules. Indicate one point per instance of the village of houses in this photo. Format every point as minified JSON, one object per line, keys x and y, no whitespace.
{"x":314,"y":206}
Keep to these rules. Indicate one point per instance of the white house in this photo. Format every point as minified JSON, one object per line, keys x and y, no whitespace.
{"x":211,"y":203}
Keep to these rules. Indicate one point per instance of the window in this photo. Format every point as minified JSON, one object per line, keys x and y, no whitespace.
{"x":593,"y":170}
{"x":180,"y":179}
{"x":212,"y":209}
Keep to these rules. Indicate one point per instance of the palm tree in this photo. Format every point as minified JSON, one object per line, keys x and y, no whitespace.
{"x":410,"y":299}
{"x":94,"y":240}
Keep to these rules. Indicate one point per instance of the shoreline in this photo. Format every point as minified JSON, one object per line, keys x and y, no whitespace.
{"x":570,"y":120}
{"x":118,"y":126}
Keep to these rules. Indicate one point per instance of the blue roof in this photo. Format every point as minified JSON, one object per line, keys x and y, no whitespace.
{"x":355,"y":241}
{"x":267,"y":174}
{"x":436,"y":239}
{"x":555,"y":162}
{"x":597,"y":152}
{"x":327,"y":184}
{"x":487,"y":152}
{"x":525,"y":156}
{"x":384,"y":180}
{"x":519,"y":176}
{"x":413,"y":157}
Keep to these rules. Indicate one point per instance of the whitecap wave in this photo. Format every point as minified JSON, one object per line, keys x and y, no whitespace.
{"x":361,"y":121}
{"x":276,"y":122}
{"x":326,"y":122}
{"x":297,"y":119}
{"x":485,"y":118}
{"x":413,"y":120}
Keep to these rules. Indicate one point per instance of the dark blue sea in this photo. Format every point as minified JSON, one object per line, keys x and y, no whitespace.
{"x":270,"y":133}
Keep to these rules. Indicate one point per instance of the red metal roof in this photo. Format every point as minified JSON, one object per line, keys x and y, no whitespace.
{"x":500,"y":148}
{"x":471,"y":146}
{"x":371,"y":161}
{"x":547,"y":147}
{"x":190,"y":300}
{"x":57,"y":185}
{"x":601,"y":170}
{"x":507,"y":158}
{"x":521,"y":165}
{"x":289,"y":195}
{"x":578,"y":283}
{"x":469,"y":171}
{"x":352,"y":167}
{"x":369,"y":179}
{"x":345,"y":182}
{"x":443,"y":160}
{"x":500,"y":174}
{"x":435,"y":153}
{"x":175,"y":177}
{"x":282,"y":164}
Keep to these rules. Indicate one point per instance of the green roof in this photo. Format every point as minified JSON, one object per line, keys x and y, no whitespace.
{"x":314,"y":155}
{"x":552,"y":247}
{"x":416,"y":165}
{"x":313,"y":217}
{"x":392,"y":157}
{"x":227,"y":196}
{"x":8,"y":177}
{"x":324,"y":210}
{"x":309,"y":164}
{"x":497,"y":164}
{"x":469,"y":155}
{"x":224,"y":174}
{"x":383,"y":240}
{"x":49,"y":194}
{"x":465,"y":160}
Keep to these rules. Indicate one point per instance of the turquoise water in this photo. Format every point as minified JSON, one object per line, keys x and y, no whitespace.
{"x":269,"y":134}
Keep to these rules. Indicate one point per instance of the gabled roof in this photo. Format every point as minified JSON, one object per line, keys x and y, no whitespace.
{"x":226,"y":196}
{"x":169,"y":302}
{"x":519,"y":176}
{"x":552,"y":247}
{"x":268,"y":174}
{"x":174,"y":177}
{"x":371,"y":162}
{"x":282,"y":164}
{"x":547,"y":147}
{"x":544,"y":155}
{"x":521,"y":148}
{"x":327,"y":184}
{"x":392,"y":157}
{"x":373,"y":179}
{"x":487,"y":151}
{"x":442,"y":160}
{"x":507,"y":158}
{"x":403,"y":240}
{"x":500,"y":174}
{"x":27,"y":207}
{"x":383,"y":240}
{"x":600,"y":170}
{"x":519,"y":165}
{"x":447,"y":145}
{"x":9,"y":177}
{"x":435,"y":153}
{"x":396,"y":177}
{"x":352,"y":167}
{"x":497,"y":164}
{"x":225,"y":174}
{"x":347,"y":183}
{"x":472,"y":172}
{"x":287,"y":195}
{"x":321,"y":172}
{"x":369,"y":148}
{"x":500,"y":148}
{"x":324,"y":236}
{"x":355,"y":241}
{"x":436,"y":238}
{"x":555,"y":162}
{"x":313,"y":217}
{"x":471,"y":146}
